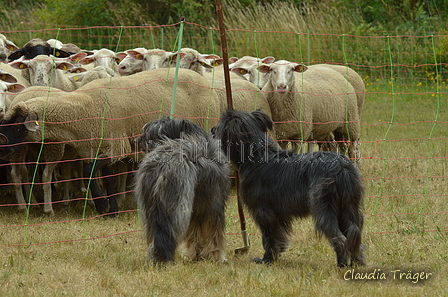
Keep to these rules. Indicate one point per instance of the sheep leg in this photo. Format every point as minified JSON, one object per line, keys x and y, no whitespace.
{"x":109,"y":182}
{"x":66,"y":169}
{"x":16,"y":176}
{"x":47,"y":176}
{"x":101,"y":203}
{"x":121,"y":170}
{"x":19,"y":172}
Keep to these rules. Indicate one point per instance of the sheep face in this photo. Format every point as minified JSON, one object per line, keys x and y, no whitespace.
{"x":6,"y":47}
{"x":192,"y":59}
{"x":103,"y":57}
{"x":156,"y":58}
{"x":132,"y":62}
{"x":41,"y":69}
{"x":13,"y":132}
{"x":4,"y":88}
{"x":247,"y":67}
{"x":37,"y":47}
{"x":282,"y":77}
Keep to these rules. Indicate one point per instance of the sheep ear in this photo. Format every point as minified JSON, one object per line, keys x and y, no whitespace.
{"x":77,"y":57}
{"x":87,"y":60}
{"x":31,"y":123}
{"x":218,"y":61}
{"x":15,"y":55}
{"x":239,"y":70}
{"x":60,"y":53}
{"x":120,"y":56}
{"x":18,"y":65}
{"x":3,"y":139}
{"x":135,"y":54}
{"x":233,"y":59}
{"x":77,"y":78}
{"x":268,"y":60}
{"x":15,"y":88}
{"x":77,"y":70}
{"x":64,"y":66}
{"x":264,"y":68}
{"x":205,"y":64}
{"x":300,"y":68}
{"x":11,"y":46}
{"x":7,"y":77}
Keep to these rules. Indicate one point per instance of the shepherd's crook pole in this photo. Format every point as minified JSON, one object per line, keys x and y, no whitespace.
{"x":225,"y":56}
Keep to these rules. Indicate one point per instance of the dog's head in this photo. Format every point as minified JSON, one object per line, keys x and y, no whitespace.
{"x":241,"y":132}
{"x":155,"y":131}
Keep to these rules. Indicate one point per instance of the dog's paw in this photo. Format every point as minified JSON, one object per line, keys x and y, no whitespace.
{"x":262,"y":261}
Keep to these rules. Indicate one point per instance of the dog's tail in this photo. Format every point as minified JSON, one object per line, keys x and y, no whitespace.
{"x":351,"y":218}
{"x":165,"y":194}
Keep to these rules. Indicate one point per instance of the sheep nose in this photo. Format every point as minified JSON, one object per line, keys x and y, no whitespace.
{"x":281,"y":87}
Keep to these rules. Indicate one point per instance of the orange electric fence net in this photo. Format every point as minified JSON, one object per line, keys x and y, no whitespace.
{"x":403,"y":139}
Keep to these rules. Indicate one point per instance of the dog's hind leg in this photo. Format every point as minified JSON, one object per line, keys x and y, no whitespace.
{"x":205,"y":235}
{"x":205,"y":239}
{"x":274,"y":233}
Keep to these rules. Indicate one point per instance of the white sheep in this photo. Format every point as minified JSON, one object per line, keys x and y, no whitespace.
{"x":8,"y":83}
{"x":247,"y":67}
{"x":55,"y":43}
{"x":102,"y":57}
{"x":96,"y":73}
{"x":7,"y":47}
{"x":131,"y":61}
{"x":18,"y":74}
{"x":153,"y":58}
{"x":46,"y":71}
{"x":191,"y":59}
{"x":311,"y":105}
{"x":245,"y":95}
{"x":353,"y":78}
{"x":106,"y":115}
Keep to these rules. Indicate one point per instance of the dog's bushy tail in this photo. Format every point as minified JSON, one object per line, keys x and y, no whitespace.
{"x":165,"y":194}
{"x":351,"y":219}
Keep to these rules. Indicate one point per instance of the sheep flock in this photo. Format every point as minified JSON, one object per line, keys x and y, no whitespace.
{"x":78,"y":112}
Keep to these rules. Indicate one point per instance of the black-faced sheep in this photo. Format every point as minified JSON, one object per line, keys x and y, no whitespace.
{"x":312,"y":105}
{"x":101,"y":119}
{"x":36,"y":47}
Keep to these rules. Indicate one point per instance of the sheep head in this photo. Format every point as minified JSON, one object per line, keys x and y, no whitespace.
{"x":14,"y":130}
{"x":282,"y":77}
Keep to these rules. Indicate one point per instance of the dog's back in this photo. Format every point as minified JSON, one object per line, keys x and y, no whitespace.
{"x":181,"y":189}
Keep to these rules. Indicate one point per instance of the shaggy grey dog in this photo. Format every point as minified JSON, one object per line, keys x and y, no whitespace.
{"x":277,"y":186}
{"x":181,"y":187}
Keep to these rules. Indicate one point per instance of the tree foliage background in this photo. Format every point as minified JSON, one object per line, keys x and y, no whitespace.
{"x":390,"y":15}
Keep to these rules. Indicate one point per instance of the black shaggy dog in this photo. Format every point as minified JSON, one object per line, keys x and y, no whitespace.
{"x":181,"y":187}
{"x":278,"y":186}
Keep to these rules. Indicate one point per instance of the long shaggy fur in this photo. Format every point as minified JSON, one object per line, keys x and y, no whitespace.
{"x":278,"y":186}
{"x":181,"y":188}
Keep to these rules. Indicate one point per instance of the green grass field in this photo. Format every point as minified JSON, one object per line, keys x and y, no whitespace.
{"x":404,"y":151}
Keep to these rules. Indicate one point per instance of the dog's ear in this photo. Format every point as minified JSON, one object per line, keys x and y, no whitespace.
{"x":263,"y":120}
